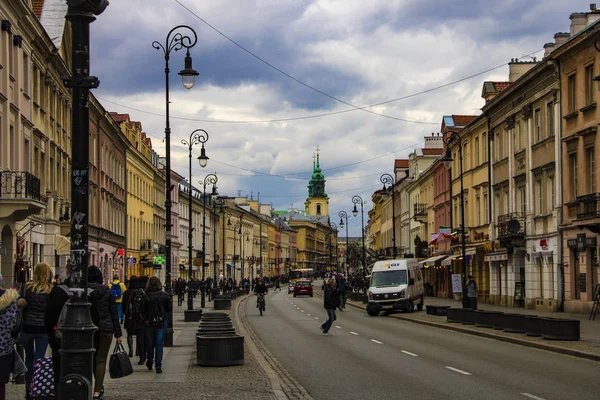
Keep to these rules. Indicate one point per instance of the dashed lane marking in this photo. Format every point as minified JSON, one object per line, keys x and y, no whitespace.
{"x":531,"y":396}
{"x":339,"y":327}
{"x":354,"y":333}
{"x":409,"y":353}
{"x":308,"y":314}
{"x":457,"y":370}
{"x":376,"y":341}
{"x":302,"y":310}
{"x":316,"y":317}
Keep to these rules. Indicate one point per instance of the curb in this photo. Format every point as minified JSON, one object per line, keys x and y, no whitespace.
{"x":457,"y":328}
{"x":539,"y":346}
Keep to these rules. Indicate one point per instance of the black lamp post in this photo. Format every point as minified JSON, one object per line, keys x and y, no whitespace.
{"x":237,"y":228}
{"x":210,"y":179}
{"x":449,"y":139}
{"x":342,"y":214}
{"x":216,"y":202}
{"x":334,"y":228}
{"x":174,"y":41}
{"x":77,"y":342}
{"x":358,"y":200}
{"x":388,"y":179}
{"x":196,"y":137}
{"x":225,"y":214}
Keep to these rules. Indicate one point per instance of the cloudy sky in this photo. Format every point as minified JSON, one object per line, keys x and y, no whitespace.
{"x":280,"y":77}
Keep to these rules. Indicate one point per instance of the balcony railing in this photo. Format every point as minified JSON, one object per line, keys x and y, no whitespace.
{"x":588,"y":206}
{"x":19,"y":185}
{"x":420,"y":209}
{"x":511,"y":225}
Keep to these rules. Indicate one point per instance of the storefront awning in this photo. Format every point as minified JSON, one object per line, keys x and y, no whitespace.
{"x":448,"y":260}
{"x":496,"y":257}
{"x":233,"y":266}
{"x":63,"y":245}
{"x":431,"y":260}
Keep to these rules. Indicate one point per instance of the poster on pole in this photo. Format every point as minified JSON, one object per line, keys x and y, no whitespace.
{"x":456,"y":283}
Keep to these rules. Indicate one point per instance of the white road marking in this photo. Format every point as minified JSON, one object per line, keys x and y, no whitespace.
{"x":354,"y":333}
{"x":457,"y":370}
{"x":308,"y":314}
{"x":316,"y":317}
{"x":376,"y":341}
{"x":339,"y":327}
{"x":409,"y":353}
{"x":302,"y":310}
{"x":532,"y":396}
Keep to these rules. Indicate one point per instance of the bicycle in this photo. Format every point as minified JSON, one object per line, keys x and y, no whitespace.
{"x":261,"y":302}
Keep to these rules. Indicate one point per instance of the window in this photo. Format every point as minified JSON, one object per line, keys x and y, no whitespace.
{"x":518,"y":135}
{"x":538,"y":122}
{"x":540,"y":196}
{"x":550,"y":119}
{"x":476,"y":150}
{"x":485,"y":208}
{"x":318,"y":209}
{"x":478,"y":210}
{"x":522,"y":200}
{"x":484,"y":142}
{"x":523,"y":128}
{"x":573,"y":166}
{"x":26,"y":89}
{"x":591,"y":165}
{"x":551,"y":193}
{"x":572,"y":93}
{"x":505,"y":203}
{"x":589,"y":84}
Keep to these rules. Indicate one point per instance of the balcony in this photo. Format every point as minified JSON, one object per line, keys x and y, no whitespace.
{"x":588,"y":206}
{"x":20,"y":195}
{"x":420,"y":212}
{"x":511,"y":226}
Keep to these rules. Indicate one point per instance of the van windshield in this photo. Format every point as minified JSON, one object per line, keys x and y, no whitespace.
{"x":389,"y":278}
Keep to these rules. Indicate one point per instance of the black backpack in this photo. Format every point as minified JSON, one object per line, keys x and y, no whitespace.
{"x":137,"y":305}
{"x":155,"y":312}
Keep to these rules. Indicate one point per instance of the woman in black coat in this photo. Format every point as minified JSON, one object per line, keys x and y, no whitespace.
{"x":129,"y":321}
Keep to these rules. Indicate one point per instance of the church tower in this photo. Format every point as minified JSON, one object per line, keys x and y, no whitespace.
{"x":317,"y":202}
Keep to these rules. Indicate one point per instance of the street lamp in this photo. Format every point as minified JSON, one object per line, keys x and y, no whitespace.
{"x":358,"y":200}
{"x":174,"y":41}
{"x":210,"y":179}
{"x":237,"y":228}
{"x":333,"y":227}
{"x":449,"y":139}
{"x":196,"y":137}
{"x":342,"y":214}
{"x":388,"y":179}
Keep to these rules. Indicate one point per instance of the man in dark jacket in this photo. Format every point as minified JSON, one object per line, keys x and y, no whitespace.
{"x":56,"y":300}
{"x":107,"y":320}
{"x":157,"y":311}
{"x":330,"y":302}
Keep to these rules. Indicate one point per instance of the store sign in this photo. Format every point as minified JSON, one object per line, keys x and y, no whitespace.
{"x":581,"y":243}
{"x":544,"y":243}
{"x":159,"y":260}
{"x":491,"y":246}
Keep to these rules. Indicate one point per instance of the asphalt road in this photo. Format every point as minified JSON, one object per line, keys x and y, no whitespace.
{"x":384,"y":358}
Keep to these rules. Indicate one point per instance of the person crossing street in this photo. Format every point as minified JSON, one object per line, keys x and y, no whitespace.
{"x":331,"y":300}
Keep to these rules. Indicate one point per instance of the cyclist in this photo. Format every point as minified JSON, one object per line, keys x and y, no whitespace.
{"x":260,"y":289}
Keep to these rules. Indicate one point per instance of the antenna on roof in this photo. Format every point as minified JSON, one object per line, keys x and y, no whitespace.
{"x":239,"y":193}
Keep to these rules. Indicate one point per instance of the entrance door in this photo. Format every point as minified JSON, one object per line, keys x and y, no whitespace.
{"x":576,"y":276}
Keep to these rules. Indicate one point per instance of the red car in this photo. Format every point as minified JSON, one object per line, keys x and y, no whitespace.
{"x":303,"y":288}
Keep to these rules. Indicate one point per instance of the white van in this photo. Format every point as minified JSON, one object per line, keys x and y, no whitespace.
{"x":395,"y":285}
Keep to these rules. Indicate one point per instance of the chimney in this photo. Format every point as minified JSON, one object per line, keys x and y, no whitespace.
{"x":561,"y":37}
{"x":517,"y":69}
{"x":593,"y":15}
{"x":578,"y":21}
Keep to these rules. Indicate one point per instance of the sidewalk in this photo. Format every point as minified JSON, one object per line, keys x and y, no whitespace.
{"x":588,"y":347}
{"x":182,"y":379}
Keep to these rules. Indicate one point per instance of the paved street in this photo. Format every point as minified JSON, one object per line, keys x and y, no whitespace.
{"x":384,"y":358}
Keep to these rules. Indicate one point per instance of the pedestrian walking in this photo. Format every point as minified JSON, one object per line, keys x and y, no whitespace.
{"x":180,"y":291}
{"x":138,"y":302}
{"x":56,"y":301}
{"x":106,"y":317}
{"x":8,"y":318}
{"x":471,"y":293}
{"x":118,"y":288}
{"x":129,"y":324}
{"x":157,"y":308}
{"x":331,"y":301}
{"x":33,"y":337}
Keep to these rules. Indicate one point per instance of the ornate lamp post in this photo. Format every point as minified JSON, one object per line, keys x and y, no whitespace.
{"x":388,"y":179}
{"x":449,"y":139}
{"x":356,"y":200}
{"x":210,"y":179}
{"x":237,"y":228}
{"x":196,"y":137}
{"x":174,"y":41}
{"x":343,"y":215}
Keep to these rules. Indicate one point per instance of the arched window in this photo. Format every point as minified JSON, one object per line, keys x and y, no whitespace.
{"x":318,"y":209}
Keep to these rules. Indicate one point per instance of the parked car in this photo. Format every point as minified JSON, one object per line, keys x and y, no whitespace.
{"x":303,"y":288}
{"x":291,"y":287}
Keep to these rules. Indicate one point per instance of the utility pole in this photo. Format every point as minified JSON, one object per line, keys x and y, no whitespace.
{"x":77,"y":332}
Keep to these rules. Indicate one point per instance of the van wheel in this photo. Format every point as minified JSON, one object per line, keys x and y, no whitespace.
{"x":411,"y":307}
{"x":372,"y":313}
{"x":420,"y":305}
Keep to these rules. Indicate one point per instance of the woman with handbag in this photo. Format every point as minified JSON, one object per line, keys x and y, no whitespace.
{"x":157,"y":308}
{"x":8,"y":318}
{"x":33,"y":336}
{"x":106,"y":318}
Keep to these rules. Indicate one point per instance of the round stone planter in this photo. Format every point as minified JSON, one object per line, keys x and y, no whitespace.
{"x":210,"y":331}
{"x":560,"y":329}
{"x":220,"y":351}
{"x":453,"y":315}
{"x":467,"y":316}
{"x":210,"y":325}
{"x":222,"y":303}
{"x":532,"y":326}
{"x":214,"y":314}
{"x":514,"y":323}
{"x":436,"y":310}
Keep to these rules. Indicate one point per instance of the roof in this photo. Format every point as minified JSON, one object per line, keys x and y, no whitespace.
{"x":51,"y":14}
{"x":458,"y":121}
{"x":500,"y":86}
{"x":432,"y":152}
{"x":119,"y":117}
{"x":401,"y":163}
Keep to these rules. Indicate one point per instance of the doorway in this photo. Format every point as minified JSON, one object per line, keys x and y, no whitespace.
{"x":7,"y":255}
